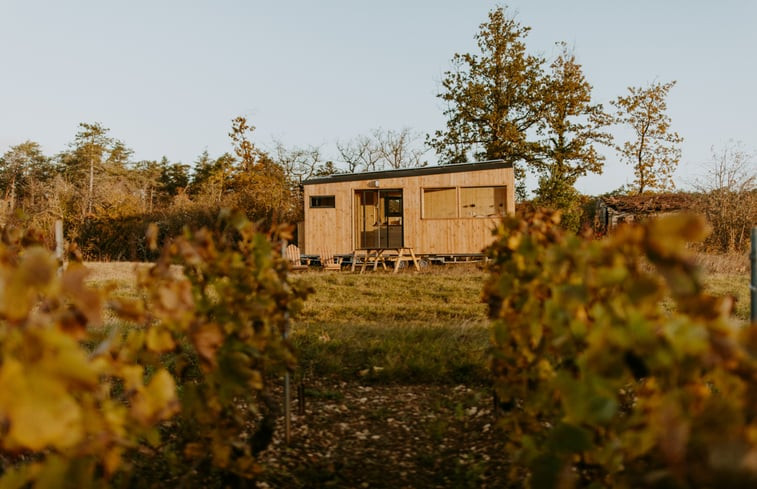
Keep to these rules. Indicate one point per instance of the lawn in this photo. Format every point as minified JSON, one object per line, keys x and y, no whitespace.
{"x":393,"y":376}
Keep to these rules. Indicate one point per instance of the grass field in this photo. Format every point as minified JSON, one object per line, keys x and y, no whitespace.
{"x":427,"y":327}
{"x":394,"y":375}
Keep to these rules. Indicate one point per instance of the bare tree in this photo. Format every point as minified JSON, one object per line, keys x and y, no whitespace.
{"x":298,"y":163}
{"x":360,"y":154}
{"x":383,"y":149}
{"x":728,"y":192}
{"x":398,"y":149}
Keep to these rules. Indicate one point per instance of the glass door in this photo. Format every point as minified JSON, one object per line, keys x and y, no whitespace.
{"x":378,"y":219}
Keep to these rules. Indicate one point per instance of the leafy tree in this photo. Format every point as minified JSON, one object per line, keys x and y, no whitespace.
{"x":654,"y":151}
{"x":88,"y":151}
{"x":493,"y":99}
{"x":174,"y":177}
{"x":148,"y":175}
{"x":326,"y":169}
{"x":24,"y":170}
{"x":570,"y":129}
{"x":260,"y":186}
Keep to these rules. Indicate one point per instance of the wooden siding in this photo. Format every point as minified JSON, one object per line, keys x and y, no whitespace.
{"x":333,"y":229}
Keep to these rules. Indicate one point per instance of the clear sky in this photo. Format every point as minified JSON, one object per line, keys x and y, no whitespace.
{"x":167,"y":76}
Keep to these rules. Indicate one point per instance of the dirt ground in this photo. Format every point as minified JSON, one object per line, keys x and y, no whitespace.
{"x":378,"y":436}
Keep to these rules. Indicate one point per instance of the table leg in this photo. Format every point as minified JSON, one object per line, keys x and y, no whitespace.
{"x":415,"y":260}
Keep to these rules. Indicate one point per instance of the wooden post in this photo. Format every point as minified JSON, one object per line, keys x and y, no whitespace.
{"x":59,"y":246}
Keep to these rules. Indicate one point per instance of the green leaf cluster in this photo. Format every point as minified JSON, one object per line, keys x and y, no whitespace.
{"x":600,"y":384}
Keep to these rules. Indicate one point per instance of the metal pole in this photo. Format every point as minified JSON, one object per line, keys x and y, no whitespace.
{"x":753,"y":287}
{"x":287,"y":387}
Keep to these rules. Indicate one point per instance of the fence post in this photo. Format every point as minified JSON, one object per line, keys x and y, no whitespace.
{"x":287,"y":381}
{"x":59,"y":240}
{"x":753,"y":286}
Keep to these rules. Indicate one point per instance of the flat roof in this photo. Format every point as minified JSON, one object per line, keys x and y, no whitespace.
{"x":411,"y":172}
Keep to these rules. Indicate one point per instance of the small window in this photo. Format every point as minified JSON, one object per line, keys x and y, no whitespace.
{"x":322,"y":202}
{"x":483,"y":201}
{"x":393,"y":206}
{"x":439,"y":203}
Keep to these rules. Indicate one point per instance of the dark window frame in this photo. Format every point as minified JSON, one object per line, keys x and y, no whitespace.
{"x":322,"y":201}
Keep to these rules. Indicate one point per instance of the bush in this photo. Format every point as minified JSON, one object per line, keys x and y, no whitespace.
{"x":600,"y":384}
{"x":175,"y":393}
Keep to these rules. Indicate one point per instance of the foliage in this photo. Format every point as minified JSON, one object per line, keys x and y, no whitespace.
{"x":570,"y":129}
{"x":179,"y":382}
{"x":67,"y":414}
{"x":728,"y":198}
{"x":493,"y":98}
{"x":260,"y":186}
{"x":654,"y":151}
{"x":601,"y":384}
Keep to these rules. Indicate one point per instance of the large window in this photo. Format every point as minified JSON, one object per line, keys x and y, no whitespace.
{"x":439,"y":203}
{"x":482,"y":201}
{"x":322,"y":202}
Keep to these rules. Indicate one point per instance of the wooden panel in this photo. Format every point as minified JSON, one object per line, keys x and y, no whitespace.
{"x":439,"y":203}
{"x":333,"y":228}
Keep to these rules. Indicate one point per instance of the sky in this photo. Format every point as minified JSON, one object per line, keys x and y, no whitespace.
{"x":168,"y":76}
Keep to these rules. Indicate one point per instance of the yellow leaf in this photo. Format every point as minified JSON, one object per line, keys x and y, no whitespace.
{"x":207,"y":339}
{"x":85,"y":299}
{"x":157,"y":401}
{"x":112,"y":460}
{"x":159,"y":340}
{"x":133,"y":376}
{"x":19,"y":290}
{"x":39,"y":411}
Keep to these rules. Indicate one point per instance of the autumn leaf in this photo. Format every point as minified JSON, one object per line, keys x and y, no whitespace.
{"x":38,"y":409}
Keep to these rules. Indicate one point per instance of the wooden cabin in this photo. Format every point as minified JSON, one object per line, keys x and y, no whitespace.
{"x":447,"y":210}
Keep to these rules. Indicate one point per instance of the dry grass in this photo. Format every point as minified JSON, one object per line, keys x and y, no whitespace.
{"x":427,"y":327}
{"x":724,"y":263}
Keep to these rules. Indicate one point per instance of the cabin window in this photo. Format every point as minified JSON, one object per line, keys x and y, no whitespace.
{"x":440,"y":203}
{"x":322,"y":202}
{"x":483,"y":201}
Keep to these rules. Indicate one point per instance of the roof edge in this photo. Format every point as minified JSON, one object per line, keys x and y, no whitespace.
{"x":411,"y":172}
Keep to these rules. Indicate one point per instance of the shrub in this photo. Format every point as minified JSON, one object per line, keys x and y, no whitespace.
{"x":601,"y":385}
{"x":175,"y":392}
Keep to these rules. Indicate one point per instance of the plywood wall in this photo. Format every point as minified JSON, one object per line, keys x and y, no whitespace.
{"x":332,"y":229}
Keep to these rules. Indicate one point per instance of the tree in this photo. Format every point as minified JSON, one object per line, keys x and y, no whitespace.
{"x":654,"y":150}
{"x":493,"y":99}
{"x":397,"y":148}
{"x":570,"y":129}
{"x":298,"y":163}
{"x":260,"y":186}
{"x":174,"y":177}
{"x":88,"y":153}
{"x":360,"y":154}
{"x":382,"y":150}
{"x":728,"y":197}
{"x":24,"y":170}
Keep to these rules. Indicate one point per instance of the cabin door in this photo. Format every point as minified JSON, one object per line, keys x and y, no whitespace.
{"x":379,"y":219}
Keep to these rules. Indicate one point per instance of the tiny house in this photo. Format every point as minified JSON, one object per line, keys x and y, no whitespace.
{"x":447,"y":210}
